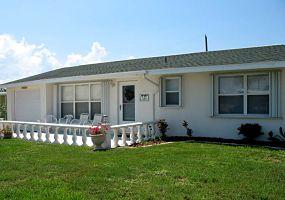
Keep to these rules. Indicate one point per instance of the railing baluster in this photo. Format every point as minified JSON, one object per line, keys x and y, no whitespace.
{"x":25,"y":132}
{"x":151,"y":126}
{"x":84,"y":137}
{"x":32,"y":133}
{"x":13,"y":130}
{"x":56,"y":136}
{"x":115,"y":138}
{"x":132,"y":135}
{"x":48,"y":135}
{"x":139,"y":140}
{"x":74,"y":136}
{"x":146,"y":136}
{"x":65,"y":136}
{"x":18,"y":130}
{"x":40,"y":134}
{"x":124,"y":137}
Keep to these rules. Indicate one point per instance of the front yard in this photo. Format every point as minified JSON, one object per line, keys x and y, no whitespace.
{"x":169,"y":171}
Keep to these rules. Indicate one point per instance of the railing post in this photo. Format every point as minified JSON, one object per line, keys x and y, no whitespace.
{"x":84,"y":137}
{"x":47,"y":135}
{"x":25,"y":132}
{"x":139,"y":134}
{"x":18,"y":130}
{"x":115,"y":139}
{"x":124,"y":137}
{"x":65,"y":136}
{"x":146,"y":136}
{"x":32,"y":133}
{"x":56,"y":136}
{"x":74,"y":137}
{"x":132,"y":135}
{"x":40,"y":134}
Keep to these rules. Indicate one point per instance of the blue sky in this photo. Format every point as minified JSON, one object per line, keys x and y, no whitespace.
{"x":122,"y":29}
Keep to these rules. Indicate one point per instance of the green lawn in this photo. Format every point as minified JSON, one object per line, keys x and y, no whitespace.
{"x":170,"y":171}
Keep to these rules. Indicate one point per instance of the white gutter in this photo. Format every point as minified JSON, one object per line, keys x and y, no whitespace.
{"x":214,"y":68}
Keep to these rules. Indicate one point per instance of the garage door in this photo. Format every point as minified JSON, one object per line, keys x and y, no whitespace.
{"x":28,"y":105}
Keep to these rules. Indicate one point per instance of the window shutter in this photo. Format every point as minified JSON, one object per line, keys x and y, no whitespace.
{"x":275,"y":83}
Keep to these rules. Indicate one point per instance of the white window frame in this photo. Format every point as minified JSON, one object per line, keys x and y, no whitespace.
{"x":163,"y":91}
{"x":74,"y":101}
{"x":245,"y":94}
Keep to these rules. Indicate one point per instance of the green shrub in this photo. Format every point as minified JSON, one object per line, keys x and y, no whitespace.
{"x":250,"y":131}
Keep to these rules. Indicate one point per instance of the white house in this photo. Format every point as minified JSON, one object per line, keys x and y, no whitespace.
{"x":215,"y":91}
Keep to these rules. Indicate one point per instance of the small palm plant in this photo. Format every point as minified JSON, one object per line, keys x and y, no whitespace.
{"x":189,"y":131}
{"x":277,"y":138}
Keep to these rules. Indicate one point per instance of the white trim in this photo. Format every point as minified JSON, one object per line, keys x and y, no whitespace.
{"x":244,"y":94}
{"x":74,"y":101}
{"x":212,"y":68}
{"x":163,"y":91}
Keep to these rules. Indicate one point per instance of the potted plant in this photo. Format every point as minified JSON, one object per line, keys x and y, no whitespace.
{"x":98,"y":135}
{"x":6,"y":132}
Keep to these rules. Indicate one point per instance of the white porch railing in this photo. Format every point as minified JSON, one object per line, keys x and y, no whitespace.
{"x":119,"y":135}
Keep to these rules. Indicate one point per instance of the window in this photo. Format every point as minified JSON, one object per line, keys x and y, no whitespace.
{"x":67,"y":93}
{"x":171,"y":91}
{"x":247,"y":94}
{"x":95,"y":98}
{"x":81,"y":98}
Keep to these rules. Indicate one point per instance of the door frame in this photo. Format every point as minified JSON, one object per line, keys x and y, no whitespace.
{"x":120,"y":101}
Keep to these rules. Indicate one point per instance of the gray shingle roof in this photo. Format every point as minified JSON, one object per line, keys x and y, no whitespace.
{"x":222,"y":57}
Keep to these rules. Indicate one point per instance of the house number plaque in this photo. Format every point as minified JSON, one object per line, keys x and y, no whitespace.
{"x":144,"y":97}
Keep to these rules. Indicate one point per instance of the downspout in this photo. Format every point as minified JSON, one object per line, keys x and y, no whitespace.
{"x":157,"y":85}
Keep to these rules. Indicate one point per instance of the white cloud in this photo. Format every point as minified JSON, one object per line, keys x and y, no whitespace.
{"x":19,"y":59}
{"x":131,"y":57}
{"x":96,"y":54}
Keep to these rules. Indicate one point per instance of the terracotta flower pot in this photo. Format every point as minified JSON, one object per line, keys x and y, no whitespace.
{"x":98,"y":140}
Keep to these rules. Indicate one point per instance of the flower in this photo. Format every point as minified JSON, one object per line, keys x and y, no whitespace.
{"x":99,"y":130}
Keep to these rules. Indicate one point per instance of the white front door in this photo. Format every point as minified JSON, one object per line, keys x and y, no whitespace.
{"x":127,"y":102}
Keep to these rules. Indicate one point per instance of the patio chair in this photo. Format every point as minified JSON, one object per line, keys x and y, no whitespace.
{"x":84,"y":117}
{"x":51,"y":119}
{"x":66,"y":119}
{"x":96,"y":120}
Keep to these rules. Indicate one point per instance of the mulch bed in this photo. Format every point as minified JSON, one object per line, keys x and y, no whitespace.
{"x":279,"y":145}
{"x":232,"y":142}
{"x":148,"y":143}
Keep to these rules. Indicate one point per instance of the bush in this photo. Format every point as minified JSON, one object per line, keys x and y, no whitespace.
{"x":250,"y":131}
{"x":189,"y":131}
{"x":277,"y":138}
{"x":163,"y":127}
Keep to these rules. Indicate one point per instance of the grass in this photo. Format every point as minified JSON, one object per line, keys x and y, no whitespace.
{"x":171,"y":171}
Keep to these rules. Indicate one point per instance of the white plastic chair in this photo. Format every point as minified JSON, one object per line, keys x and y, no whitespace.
{"x":66,"y":119}
{"x":84,"y":118}
{"x":96,"y":120}
{"x":51,"y":119}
